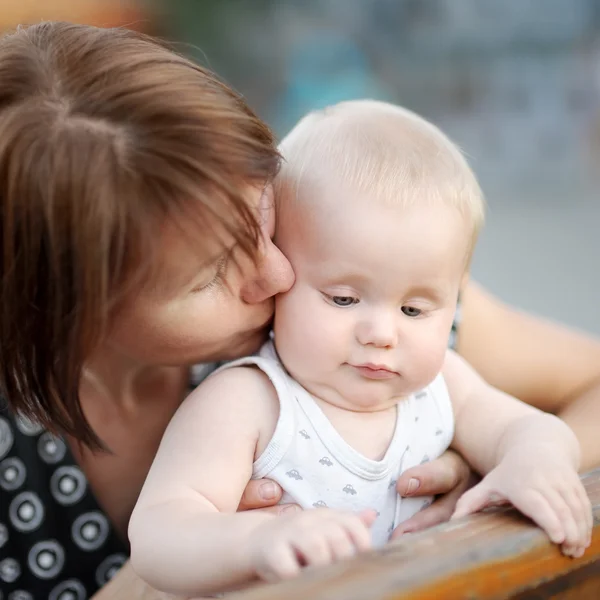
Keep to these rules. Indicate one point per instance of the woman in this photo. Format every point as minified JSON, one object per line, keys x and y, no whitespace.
{"x":136,"y":240}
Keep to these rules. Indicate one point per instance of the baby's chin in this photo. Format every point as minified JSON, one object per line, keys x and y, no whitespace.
{"x":358,"y":399}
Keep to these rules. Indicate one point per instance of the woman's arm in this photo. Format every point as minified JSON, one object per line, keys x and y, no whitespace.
{"x":543,"y":364}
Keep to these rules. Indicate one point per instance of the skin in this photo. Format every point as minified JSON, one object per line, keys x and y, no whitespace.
{"x":374,"y":284}
{"x":547,"y":365}
{"x":131,"y":388}
{"x":130,"y":399}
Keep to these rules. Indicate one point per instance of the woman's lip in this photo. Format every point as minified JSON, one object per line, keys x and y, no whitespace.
{"x":371,"y":371}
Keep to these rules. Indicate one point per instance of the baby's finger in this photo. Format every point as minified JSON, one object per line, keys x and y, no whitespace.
{"x":359,"y":533}
{"x":587,"y":509}
{"x":580,"y":510}
{"x":314,"y":549}
{"x":472,"y":501}
{"x":537,"y":507}
{"x":341,"y":544}
{"x":281,"y":563}
{"x":368,"y":516}
{"x":565,"y":515}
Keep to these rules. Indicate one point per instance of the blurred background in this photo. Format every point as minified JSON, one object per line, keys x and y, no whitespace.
{"x":516,"y":83}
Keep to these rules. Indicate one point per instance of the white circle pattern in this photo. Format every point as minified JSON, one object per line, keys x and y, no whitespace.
{"x":10,"y":570}
{"x":12,"y":474}
{"x":90,"y":530}
{"x":27,"y":426}
{"x":25,"y":480}
{"x":67,"y":485}
{"x":3,"y":534}
{"x":51,"y":448}
{"x":108,"y":568}
{"x":46,"y":559}
{"x":6,"y":437}
{"x":71,"y":589}
{"x":26,"y":512}
{"x":20,"y":595}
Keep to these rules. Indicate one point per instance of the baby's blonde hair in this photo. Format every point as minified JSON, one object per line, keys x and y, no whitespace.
{"x":384,"y":151}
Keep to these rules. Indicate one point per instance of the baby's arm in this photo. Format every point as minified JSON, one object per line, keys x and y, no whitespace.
{"x":530,"y":457}
{"x":185,"y":535}
{"x":179,"y":540}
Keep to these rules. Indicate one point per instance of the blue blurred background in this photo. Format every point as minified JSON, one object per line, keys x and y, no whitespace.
{"x":516,"y":83}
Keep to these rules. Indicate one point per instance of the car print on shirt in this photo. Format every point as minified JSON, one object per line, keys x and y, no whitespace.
{"x":349,"y":489}
{"x":320,"y":504}
{"x":294,"y":475}
{"x":304,"y":434}
{"x":326,"y":461}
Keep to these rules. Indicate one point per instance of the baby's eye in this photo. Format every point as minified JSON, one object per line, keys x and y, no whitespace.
{"x":344,"y":301}
{"x":411,"y":311}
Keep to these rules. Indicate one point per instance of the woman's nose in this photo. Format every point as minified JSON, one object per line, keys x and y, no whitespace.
{"x":273,"y":275}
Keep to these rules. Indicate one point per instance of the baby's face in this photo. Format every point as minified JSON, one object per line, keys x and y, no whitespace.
{"x":368,"y":318}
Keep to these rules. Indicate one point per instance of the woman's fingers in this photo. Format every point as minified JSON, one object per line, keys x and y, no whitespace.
{"x":449,"y":475}
{"x":439,"y":512}
{"x":437,"y":477}
{"x":260,"y":493}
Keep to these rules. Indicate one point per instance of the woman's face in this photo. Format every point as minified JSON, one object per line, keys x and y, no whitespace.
{"x":205,"y":308}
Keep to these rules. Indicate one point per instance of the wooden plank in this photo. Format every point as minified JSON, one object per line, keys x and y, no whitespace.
{"x":495,"y":555}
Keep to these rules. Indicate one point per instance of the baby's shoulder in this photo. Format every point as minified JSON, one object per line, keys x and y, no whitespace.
{"x":243,"y":385}
{"x":243,"y":392}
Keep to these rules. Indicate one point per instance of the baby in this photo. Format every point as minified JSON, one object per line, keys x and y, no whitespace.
{"x":378,"y":213}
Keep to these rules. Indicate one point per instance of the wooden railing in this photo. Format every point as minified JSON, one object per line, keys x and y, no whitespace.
{"x":494,"y":555}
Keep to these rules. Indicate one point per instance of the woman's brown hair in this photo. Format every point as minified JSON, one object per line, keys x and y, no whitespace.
{"x":104,"y":134}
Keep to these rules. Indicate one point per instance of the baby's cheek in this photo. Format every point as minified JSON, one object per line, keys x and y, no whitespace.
{"x":290,"y":321}
{"x":428,"y":359}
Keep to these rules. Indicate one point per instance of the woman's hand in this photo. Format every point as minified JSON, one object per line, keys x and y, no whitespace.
{"x":265,"y":494}
{"x":448,"y":476}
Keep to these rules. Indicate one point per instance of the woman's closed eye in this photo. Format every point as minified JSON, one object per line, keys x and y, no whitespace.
{"x":220,"y":268}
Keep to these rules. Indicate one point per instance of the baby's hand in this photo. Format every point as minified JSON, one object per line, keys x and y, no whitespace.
{"x":282,"y":546}
{"x":542,"y":484}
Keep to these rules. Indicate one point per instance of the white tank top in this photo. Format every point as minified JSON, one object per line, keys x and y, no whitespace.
{"x":316,"y":467}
